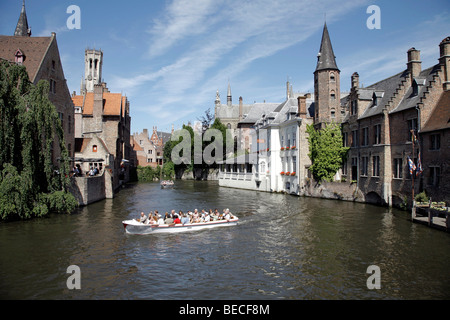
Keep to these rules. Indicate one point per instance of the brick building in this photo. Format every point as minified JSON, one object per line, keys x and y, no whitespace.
{"x":103,"y":116}
{"x":40,"y":56}
{"x":396,"y":119}
{"x":149,"y":149}
{"x":403,"y":117}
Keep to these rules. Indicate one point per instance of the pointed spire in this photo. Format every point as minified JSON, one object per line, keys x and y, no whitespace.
{"x":229,"y":100}
{"x":22,"y":25}
{"x":326,"y":58}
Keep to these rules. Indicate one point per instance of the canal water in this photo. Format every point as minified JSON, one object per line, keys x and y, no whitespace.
{"x":285,"y":247}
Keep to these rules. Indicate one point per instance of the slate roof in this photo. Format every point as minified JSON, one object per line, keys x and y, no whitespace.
{"x":257,"y":111}
{"x":410,"y":99}
{"x":326,"y":58}
{"x":22,"y":25}
{"x":278,"y":115}
{"x":384,"y":90}
{"x":224,"y":111}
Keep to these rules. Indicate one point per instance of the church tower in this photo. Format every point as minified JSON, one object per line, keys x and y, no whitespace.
{"x":229,"y":99}
{"x":93,"y":63}
{"x":326,"y":84}
{"x":22,"y":29}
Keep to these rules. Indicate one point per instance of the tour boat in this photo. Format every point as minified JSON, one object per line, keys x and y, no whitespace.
{"x":135,"y":227}
{"x":167,"y":184}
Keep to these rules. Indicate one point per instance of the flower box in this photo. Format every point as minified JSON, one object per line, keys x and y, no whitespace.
{"x":267,"y":149}
{"x":287,"y":148}
{"x":282,"y":172}
{"x":292,"y":173}
{"x":293,"y":147}
{"x":282,"y":148}
{"x":287,"y":173}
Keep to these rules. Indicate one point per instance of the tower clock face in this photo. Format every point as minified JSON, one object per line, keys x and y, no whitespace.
{"x":89,"y":77}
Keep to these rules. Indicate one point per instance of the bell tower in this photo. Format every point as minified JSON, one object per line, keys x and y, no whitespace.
{"x":93,"y":62}
{"x":326,"y":84}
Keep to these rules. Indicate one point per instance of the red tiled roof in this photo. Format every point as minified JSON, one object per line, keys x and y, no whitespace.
{"x":112,"y":103}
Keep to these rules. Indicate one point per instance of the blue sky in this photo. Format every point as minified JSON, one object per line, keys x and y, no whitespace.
{"x":169,"y":57}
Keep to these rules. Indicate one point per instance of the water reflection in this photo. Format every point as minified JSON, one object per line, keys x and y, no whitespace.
{"x":285,"y":247}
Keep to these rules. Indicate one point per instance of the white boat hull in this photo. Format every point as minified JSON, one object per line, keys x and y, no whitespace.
{"x":135,"y":227}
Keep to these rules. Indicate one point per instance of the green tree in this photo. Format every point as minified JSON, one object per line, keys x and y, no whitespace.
{"x":31,"y":185}
{"x":326,"y":151}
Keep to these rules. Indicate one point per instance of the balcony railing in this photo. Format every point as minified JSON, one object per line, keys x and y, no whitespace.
{"x":245,"y":176}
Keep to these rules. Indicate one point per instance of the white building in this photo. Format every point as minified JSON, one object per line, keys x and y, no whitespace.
{"x":278,"y":160}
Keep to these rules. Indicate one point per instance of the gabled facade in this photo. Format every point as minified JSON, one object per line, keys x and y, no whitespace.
{"x":106,"y":116}
{"x":384,"y":129}
{"x":40,"y":56}
{"x":278,"y":158}
{"x":149,"y":149}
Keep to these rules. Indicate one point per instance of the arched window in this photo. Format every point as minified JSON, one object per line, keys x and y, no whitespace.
{"x":332,"y":77}
{"x":94,"y":148}
{"x":229,"y":126}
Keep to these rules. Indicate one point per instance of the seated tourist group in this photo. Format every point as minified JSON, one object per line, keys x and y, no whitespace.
{"x":188,"y":217}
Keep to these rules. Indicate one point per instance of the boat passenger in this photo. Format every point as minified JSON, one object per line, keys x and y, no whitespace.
{"x":143,"y":219}
{"x":227,"y":214}
{"x":185,"y":219}
{"x":153,"y":219}
{"x":195,"y":217}
{"x":169,"y":219}
{"x":176,"y":220}
{"x":207,"y":217}
{"x":160,"y":218}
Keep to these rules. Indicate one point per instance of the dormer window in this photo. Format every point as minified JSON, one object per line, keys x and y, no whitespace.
{"x":415,"y":88}
{"x":354,"y":107}
{"x":19,"y":57}
{"x":415,"y":85}
{"x":376,"y":98}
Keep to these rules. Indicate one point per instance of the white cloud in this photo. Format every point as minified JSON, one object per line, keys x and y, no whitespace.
{"x":208,"y":42}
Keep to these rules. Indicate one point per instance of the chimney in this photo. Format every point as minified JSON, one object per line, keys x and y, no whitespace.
{"x":302,"y":106}
{"x":288,"y":90}
{"x":241,"y":107}
{"x":414,"y":63}
{"x":355,"y":80}
{"x":98,"y":101}
{"x":444,"y":61}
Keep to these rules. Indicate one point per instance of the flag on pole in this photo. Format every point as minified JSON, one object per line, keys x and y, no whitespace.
{"x":412,"y":166}
{"x":419,"y":165}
